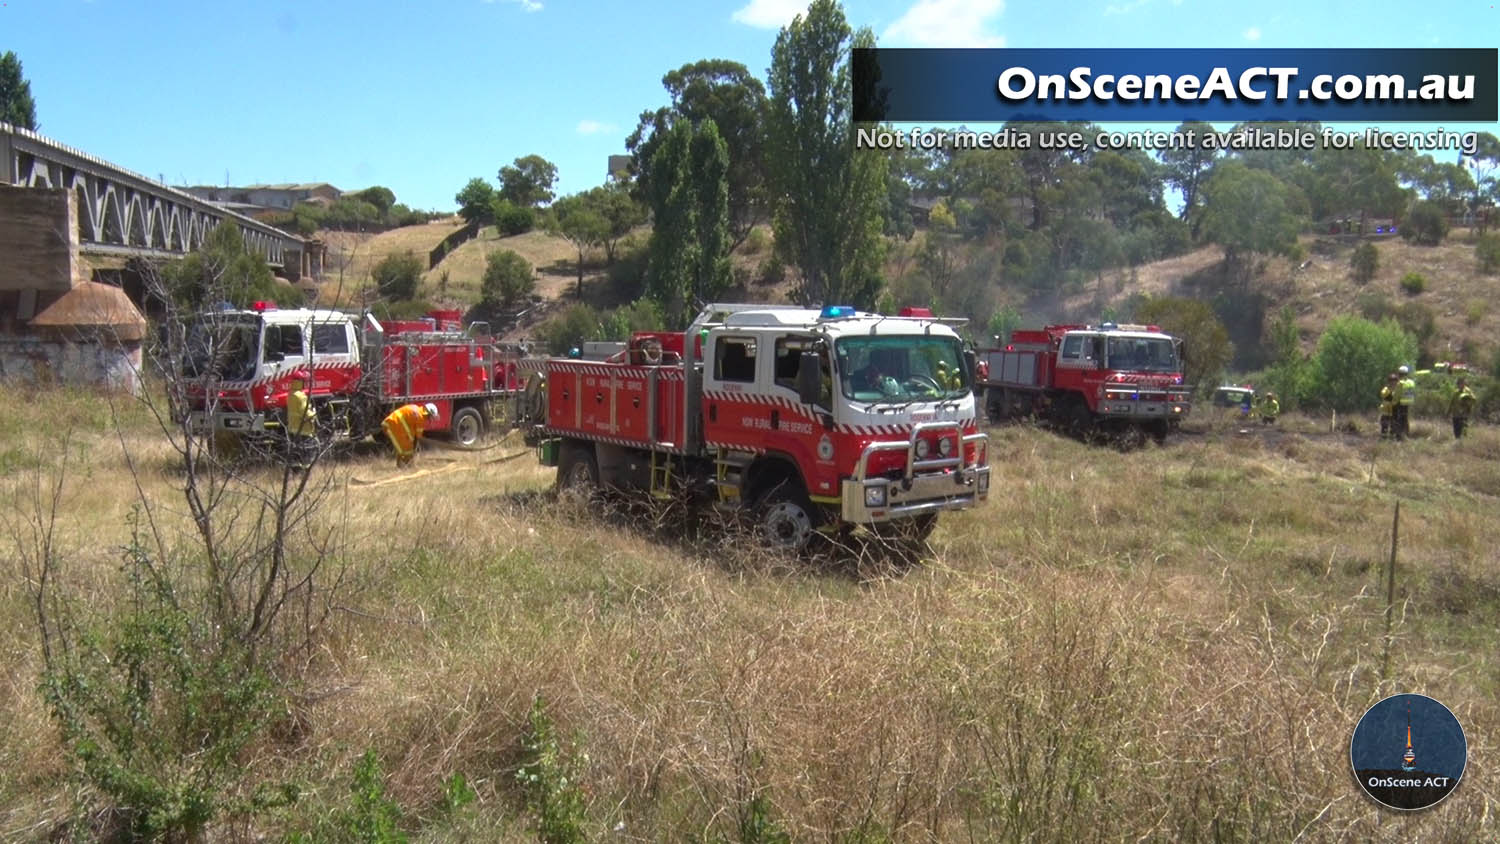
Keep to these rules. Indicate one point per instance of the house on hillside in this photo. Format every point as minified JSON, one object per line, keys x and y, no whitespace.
{"x":259,"y":197}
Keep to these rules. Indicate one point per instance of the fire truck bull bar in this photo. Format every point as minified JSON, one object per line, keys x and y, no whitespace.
{"x":926,"y":486}
{"x":1135,"y":403}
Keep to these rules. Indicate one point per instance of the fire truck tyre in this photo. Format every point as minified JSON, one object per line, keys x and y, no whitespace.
{"x":468,"y":426}
{"x":577,"y":468}
{"x":785,"y":517}
{"x":1159,"y":430}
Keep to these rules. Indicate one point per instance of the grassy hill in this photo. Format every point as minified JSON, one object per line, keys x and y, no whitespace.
{"x":1172,"y":643}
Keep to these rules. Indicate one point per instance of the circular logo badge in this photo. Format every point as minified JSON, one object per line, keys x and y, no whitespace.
{"x":1408,"y":752}
{"x":825,"y":448}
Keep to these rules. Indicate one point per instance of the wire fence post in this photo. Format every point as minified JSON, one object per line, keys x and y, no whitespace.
{"x":1390,"y":592}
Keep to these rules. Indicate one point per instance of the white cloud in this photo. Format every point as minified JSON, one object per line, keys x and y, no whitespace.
{"x":769,"y":14}
{"x":526,"y":5}
{"x":1127,"y":8}
{"x":594,"y":127}
{"x":1252,"y":34}
{"x":945,"y":23}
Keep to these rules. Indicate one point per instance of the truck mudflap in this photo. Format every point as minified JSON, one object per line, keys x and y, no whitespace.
{"x":926,"y":486}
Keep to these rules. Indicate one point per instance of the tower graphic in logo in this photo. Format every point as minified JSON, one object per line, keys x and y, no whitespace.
{"x":1409,"y":759}
{"x":1387,"y":769}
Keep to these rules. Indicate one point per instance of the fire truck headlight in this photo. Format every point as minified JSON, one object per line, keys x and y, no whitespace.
{"x":945,"y":446}
{"x":983,"y":484}
{"x":923,"y":449}
{"x":875,"y":496}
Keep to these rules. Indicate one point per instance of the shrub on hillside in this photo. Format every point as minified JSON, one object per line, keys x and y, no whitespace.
{"x":570,"y":328}
{"x":507,"y":279}
{"x":1364,"y":262}
{"x":756,"y":242}
{"x":398,"y":276}
{"x":1487,"y":251}
{"x":513,"y":219}
{"x":404,"y":309}
{"x":1425,"y":224}
{"x":640,"y":315}
{"x":1413,"y":283}
{"x":1474,"y":312}
{"x":1353,"y":356}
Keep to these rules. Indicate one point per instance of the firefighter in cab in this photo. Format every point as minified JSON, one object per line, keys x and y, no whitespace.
{"x":405,"y":426}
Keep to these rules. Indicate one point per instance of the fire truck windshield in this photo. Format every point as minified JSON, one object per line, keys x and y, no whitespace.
{"x":1142,"y":354}
{"x":901,"y":368}
{"x":222,"y":348}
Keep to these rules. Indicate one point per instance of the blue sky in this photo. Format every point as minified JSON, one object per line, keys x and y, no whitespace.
{"x":420,"y":97}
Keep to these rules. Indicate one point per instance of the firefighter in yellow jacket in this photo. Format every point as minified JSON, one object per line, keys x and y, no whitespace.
{"x":1390,"y":394}
{"x":1462,"y":407}
{"x":405,"y":425}
{"x":301,"y":420}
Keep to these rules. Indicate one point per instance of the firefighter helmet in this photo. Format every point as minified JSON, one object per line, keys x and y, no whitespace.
{"x":430,"y":411}
{"x":1403,"y":369}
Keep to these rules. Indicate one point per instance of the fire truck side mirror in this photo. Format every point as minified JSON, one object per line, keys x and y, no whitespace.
{"x":809,"y":378}
{"x":971,"y":363}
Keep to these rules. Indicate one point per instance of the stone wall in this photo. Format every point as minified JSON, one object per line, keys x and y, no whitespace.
{"x":46,"y":361}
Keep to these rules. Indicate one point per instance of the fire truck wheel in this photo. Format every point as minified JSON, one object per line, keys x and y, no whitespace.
{"x":468,"y":426}
{"x":786,"y":518}
{"x":577,"y":468}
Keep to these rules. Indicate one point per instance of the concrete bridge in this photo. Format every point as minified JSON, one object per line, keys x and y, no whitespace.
{"x":125,"y":214}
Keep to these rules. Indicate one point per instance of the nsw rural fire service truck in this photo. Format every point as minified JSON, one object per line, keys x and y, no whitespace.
{"x":1118,"y":380}
{"x":810,"y":421}
{"x":242,"y":361}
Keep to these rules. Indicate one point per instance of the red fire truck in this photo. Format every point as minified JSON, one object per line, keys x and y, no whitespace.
{"x":1113,"y":379}
{"x":240,"y":362}
{"x":810,"y":421}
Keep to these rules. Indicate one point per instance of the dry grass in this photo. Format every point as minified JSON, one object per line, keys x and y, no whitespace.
{"x":1169,"y":644}
{"x":351,"y":256}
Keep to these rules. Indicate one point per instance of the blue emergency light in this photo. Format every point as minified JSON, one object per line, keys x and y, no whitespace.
{"x":836,"y":311}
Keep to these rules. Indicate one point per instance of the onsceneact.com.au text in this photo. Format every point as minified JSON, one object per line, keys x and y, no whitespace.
{"x":1022,"y":84}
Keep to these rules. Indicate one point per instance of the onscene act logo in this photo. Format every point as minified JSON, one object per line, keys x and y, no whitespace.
{"x":1408,"y":752}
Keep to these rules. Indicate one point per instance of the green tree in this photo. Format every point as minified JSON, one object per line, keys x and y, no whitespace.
{"x":476,"y":201}
{"x":576,"y":219}
{"x":570,"y":328}
{"x":726,"y":93}
{"x":1205,"y":340}
{"x":528,"y":182}
{"x":1364,"y":262}
{"x":383,"y":198}
{"x":621,"y":213}
{"x":689,"y":257}
{"x":1353,"y":358}
{"x":1187,"y":168}
{"x":221,"y":269}
{"x":512,"y":219}
{"x":1293,"y":375}
{"x":1487,"y":252}
{"x":1248,"y":212}
{"x":507,"y":278}
{"x":397,"y":277}
{"x":1425,"y":224}
{"x":16,"y":105}
{"x":828,"y":217}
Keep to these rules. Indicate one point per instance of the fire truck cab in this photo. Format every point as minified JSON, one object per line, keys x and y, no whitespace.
{"x":812,"y":420}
